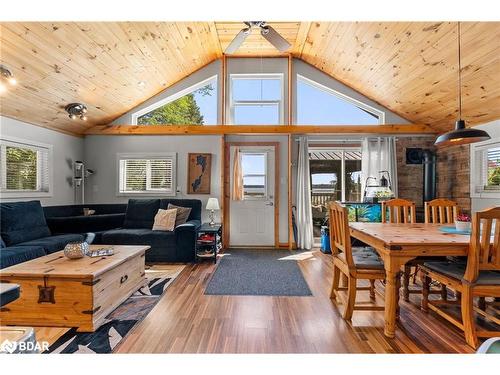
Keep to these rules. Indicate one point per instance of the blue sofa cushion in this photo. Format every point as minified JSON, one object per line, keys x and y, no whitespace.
{"x":194,"y":204}
{"x":2,"y":244}
{"x":77,"y":209}
{"x":141,"y":213}
{"x":10,"y":256}
{"x":22,"y":221}
{"x":456,"y":270}
{"x":84,"y":224}
{"x":139,"y":237}
{"x":54,"y":243}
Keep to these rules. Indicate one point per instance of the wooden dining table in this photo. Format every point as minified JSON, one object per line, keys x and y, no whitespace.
{"x":399,"y":243}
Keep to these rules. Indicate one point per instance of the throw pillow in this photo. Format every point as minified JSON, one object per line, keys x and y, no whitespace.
{"x":165,"y":220}
{"x":182,"y":213}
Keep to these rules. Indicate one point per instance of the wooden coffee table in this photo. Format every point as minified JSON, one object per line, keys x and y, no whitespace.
{"x":61,"y":292}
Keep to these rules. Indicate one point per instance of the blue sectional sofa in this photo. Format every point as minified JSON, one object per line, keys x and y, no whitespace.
{"x":28,"y":231}
{"x":25,"y":234}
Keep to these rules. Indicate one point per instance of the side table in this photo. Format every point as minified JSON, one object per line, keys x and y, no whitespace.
{"x":208,"y":241}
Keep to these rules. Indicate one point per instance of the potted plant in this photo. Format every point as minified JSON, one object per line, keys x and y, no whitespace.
{"x":462,"y":223}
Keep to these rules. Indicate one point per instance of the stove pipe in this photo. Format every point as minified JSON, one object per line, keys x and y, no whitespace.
{"x":429,"y":162}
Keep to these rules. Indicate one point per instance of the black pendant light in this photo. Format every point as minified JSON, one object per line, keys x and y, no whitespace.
{"x":461,"y":135}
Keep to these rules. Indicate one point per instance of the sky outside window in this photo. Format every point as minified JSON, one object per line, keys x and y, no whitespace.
{"x":319,"y":107}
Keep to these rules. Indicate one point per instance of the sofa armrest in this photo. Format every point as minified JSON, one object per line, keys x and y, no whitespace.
{"x":185,"y":240}
{"x":191,"y":225}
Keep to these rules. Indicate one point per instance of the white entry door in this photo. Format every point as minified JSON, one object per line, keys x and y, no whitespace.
{"x":251,"y":220}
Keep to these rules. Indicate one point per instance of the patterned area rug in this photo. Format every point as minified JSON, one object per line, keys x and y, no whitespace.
{"x":120,"y":322}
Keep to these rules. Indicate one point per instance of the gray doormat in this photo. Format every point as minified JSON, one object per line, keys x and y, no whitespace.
{"x":258,"y":273}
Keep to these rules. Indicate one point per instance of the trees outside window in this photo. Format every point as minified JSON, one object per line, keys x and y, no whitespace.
{"x":197,"y":107}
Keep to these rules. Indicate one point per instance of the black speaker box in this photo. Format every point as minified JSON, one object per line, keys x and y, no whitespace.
{"x":414,"y":156}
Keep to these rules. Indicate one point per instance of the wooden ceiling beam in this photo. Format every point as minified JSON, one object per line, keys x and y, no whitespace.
{"x":257,"y":129}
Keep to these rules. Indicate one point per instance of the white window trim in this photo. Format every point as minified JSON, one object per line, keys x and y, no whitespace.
{"x":357,"y":103}
{"x":171,"y":98}
{"x":477,"y":160}
{"x":232,"y":102}
{"x":151,"y":193}
{"x":50,"y":162}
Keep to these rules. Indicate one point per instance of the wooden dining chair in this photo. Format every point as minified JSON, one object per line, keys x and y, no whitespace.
{"x":478,"y":277}
{"x":441,"y":211}
{"x":402,"y":211}
{"x":356,"y":263}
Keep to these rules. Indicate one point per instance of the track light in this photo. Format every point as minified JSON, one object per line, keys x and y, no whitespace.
{"x":76,"y":110}
{"x":7,"y":76}
{"x":78,"y":165}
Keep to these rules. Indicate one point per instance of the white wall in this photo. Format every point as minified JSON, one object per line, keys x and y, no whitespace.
{"x":283,"y":183}
{"x":66,"y":149}
{"x":101,"y":155}
{"x":493,"y":129}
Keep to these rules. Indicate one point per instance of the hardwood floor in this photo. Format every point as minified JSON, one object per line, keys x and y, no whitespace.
{"x":187,"y":321}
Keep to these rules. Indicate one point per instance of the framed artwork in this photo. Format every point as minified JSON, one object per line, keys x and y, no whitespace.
{"x":199,"y":172}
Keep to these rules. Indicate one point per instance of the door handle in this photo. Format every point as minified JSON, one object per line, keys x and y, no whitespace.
{"x":269,"y":204}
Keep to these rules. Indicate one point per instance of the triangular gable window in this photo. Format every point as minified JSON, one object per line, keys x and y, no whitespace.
{"x":196,"y":105}
{"x":320,"y":105}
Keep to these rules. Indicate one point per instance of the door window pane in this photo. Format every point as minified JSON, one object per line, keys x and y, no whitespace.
{"x":353,"y":180}
{"x":254,"y":175}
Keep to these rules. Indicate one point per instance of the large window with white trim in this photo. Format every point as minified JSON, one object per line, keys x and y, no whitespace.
{"x":25,"y":169}
{"x":256,"y":99}
{"x":320,"y":105}
{"x":196,"y":105}
{"x":147,"y":174}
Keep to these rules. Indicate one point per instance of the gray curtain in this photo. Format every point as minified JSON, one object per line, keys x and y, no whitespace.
{"x":305,"y":238}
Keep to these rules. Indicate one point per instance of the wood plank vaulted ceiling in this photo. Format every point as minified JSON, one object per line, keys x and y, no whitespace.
{"x":409,"y":67}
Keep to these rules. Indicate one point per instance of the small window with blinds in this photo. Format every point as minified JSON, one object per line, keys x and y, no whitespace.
{"x":492,"y":169}
{"x":25,"y":169}
{"x":147,"y":174}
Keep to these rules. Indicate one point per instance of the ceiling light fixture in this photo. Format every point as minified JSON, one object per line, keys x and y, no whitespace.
{"x":7,"y":76}
{"x":76,"y":110}
{"x":268,"y":32}
{"x":461,"y":135}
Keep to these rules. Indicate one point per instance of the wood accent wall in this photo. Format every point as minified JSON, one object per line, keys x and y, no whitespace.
{"x":408,"y":67}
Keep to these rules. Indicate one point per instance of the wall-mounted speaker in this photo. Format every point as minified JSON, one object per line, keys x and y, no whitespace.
{"x":414,"y":156}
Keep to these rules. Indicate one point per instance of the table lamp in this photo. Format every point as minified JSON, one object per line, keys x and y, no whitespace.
{"x":212,"y":205}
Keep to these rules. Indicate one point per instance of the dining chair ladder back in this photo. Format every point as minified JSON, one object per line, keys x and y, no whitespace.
{"x":441,"y":211}
{"x":353,"y":263}
{"x":480,"y":277}
{"x":400,"y":211}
